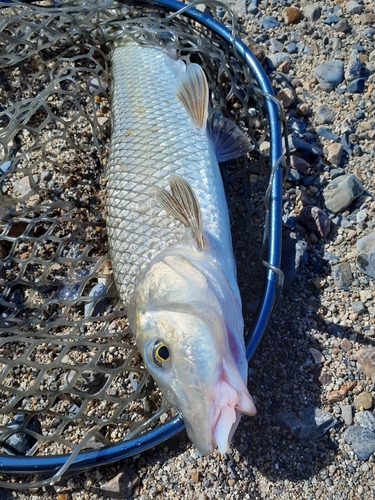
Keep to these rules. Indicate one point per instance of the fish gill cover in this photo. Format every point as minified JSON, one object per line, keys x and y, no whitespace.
{"x":71,"y":377}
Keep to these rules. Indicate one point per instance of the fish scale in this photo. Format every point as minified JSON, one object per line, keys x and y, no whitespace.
{"x":153,"y":137}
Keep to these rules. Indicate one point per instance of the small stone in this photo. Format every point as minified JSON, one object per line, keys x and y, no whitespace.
{"x":308,"y":424}
{"x":341,"y":192}
{"x":195,"y":476}
{"x":324,"y":114}
{"x":25,"y":184}
{"x":340,"y":394}
{"x":363,"y":400}
{"x":326,"y":133}
{"x":286,"y":96}
{"x":309,"y":147}
{"x":365,"y":125}
{"x":365,"y":419}
{"x":297,"y":248}
{"x":347,"y":414}
{"x":353,"y":69}
{"x":315,"y":220}
{"x":325,"y":378}
{"x":346,"y":345}
{"x":365,"y":295}
{"x":362,"y":441}
{"x":317,"y":355}
{"x":368,"y":18}
{"x":342,"y":26}
{"x":366,"y":361}
{"x":365,"y":261}
{"x":358,"y":307}
{"x":342,"y":275}
{"x":318,"y":282}
{"x":332,"y":19}
{"x":231,"y":482}
{"x":292,"y":15}
{"x":275,"y":60}
{"x":300,"y":164}
{"x":356,"y":86}
{"x":122,"y":485}
{"x":270,"y":22}
{"x":257,"y":50}
{"x":331,"y":72}
{"x":352,"y":7}
{"x":335,"y":151}
{"x":312,"y":12}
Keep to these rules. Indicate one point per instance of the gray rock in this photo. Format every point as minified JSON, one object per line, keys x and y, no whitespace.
{"x":361,"y":215}
{"x":332,"y":19}
{"x":336,"y":172}
{"x":324,"y":114}
{"x":274,"y":60}
{"x":365,"y":419}
{"x":314,"y":220}
{"x":353,"y":69}
{"x":270,"y":22}
{"x":356,"y":86}
{"x":299,"y":144}
{"x":366,"y":259}
{"x":352,"y":7}
{"x":317,"y":355}
{"x":308,"y":424}
{"x":312,"y":12}
{"x":342,"y":26}
{"x":326,"y":133}
{"x":341,"y":192}
{"x":358,"y":307}
{"x":293,"y":252}
{"x":275,"y":45}
{"x":331,"y":72}
{"x":347,"y":414}
{"x":361,"y":440}
{"x":122,"y":485}
{"x":342,"y":275}
{"x":20,"y":442}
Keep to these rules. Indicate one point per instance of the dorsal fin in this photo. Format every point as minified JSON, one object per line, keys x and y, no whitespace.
{"x":183,"y":205}
{"x":227,"y":139}
{"x":192,"y":92}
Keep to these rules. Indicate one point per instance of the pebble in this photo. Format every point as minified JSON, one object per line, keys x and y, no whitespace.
{"x":331,"y":73}
{"x":308,"y":424}
{"x":20,"y":443}
{"x":353,"y":68}
{"x":347,"y":414}
{"x":299,"y":144}
{"x":286,"y":96}
{"x":335,"y":151}
{"x":315,"y":220}
{"x":346,"y":345}
{"x":363,"y":400}
{"x":299,"y":164}
{"x":292,"y":15}
{"x":366,"y":361}
{"x":365,"y":419}
{"x":333,"y":19}
{"x":342,"y":275}
{"x":352,"y":7}
{"x":327,"y":134}
{"x":365,"y":261}
{"x":341,"y":192}
{"x":312,"y":12}
{"x":342,"y":26}
{"x":356,"y":86}
{"x":269,"y":22}
{"x":324,"y":114}
{"x":317,"y":355}
{"x":122,"y":485}
{"x":275,"y":60}
{"x":291,"y":246}
{"x":362,"y":441}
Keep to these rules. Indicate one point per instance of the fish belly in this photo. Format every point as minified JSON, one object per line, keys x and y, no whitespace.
{"x":153,"y":137}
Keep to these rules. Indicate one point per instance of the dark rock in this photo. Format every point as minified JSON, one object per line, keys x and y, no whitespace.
{"x":342,"y":26}
{"x":315,"y":221}
{"x":327,"y":134}
{"x":19,"y":443}
{"x":308,"y":424}
{"x":332,"y":19}
{"x":346,"y":144}
{"x":309,"y":147}
{"x":362,"y":441}
{"x":356,"y":86}
{"x":293,"y":252}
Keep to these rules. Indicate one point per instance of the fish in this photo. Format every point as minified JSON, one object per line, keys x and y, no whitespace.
{"x":169,"y":237}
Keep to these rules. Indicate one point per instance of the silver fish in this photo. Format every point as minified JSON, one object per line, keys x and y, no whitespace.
{"x":170,"y":242}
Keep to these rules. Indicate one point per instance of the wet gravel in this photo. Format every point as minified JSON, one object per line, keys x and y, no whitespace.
{"x":316,"y":361}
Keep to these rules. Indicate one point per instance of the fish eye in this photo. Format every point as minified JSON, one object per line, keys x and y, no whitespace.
{"x":160,"y":353}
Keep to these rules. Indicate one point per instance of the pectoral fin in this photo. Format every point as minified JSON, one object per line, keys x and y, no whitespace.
{"x":227,"y":139}
{"x":192,"y":92}
{"x":182,"y":204}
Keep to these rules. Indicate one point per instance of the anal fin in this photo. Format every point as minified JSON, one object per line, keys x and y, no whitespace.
{"x":227,"y":139}
{"x":183,"y":205}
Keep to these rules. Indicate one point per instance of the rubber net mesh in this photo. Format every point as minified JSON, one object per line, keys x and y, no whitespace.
{"x":71,"y":377}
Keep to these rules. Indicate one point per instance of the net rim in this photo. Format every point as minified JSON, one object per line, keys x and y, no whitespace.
{"x":128,"y":448}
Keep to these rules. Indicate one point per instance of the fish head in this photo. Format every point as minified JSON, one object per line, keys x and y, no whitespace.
{"x":183,"y":318}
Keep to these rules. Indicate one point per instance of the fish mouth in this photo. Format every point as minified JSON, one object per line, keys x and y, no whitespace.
{"x":231,"y":399}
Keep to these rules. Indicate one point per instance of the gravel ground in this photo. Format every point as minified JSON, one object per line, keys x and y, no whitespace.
{"x":312,"y":375}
